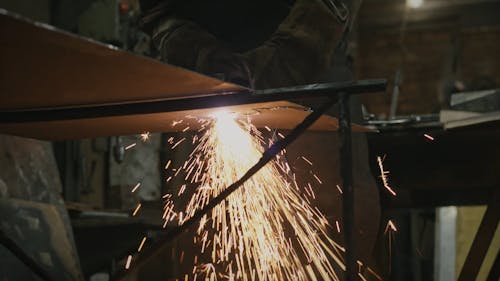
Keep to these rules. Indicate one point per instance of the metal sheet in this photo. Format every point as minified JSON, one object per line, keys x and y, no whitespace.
{"x":55,"y":85}
{"x":43,"y":67}
{"x":284,"y":115}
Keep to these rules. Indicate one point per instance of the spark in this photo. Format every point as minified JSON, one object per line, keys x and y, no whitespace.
{"x":136,"y":209}
{"x":142,"y":244}
{"x":182,"y":257}
{"x":136,"y":187}
{"x":307,"y":160}
{"x":130,"y":146}
{"x":318,"y":179}
{"x":390,"y":227}
{"x":145,"y":136}
{"x":266,"y":228}
{"x":177,"y":143}
{"x":175,"y":123}
{"x":129,"y":260}
{"x":339,"y":188}
{"x":374,"y":273}
{"x":338,"y":226}
{"x":168,"y":164}
{"x":383,"y":175}
{"x":429,"y":137}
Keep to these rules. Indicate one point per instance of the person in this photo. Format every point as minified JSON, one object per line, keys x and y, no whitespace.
{"x":300,"y":51}
{"x":312,"y":29}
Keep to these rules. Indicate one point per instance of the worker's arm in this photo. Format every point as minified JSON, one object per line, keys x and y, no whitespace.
{"x":298,"y":52}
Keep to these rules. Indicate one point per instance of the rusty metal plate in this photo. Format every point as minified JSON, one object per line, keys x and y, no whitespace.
{"x":43,"y":67}
{"x":46,"y":69}
{"x":283,"y":115}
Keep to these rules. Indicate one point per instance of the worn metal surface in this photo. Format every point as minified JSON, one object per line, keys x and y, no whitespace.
{"x":40,"y":230}
{"x":21,"y":255}
{"x":32,"y":212}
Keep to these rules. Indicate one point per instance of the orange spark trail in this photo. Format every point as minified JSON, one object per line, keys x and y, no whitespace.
{"x":267,"y":229}
{"x":383,"y":176}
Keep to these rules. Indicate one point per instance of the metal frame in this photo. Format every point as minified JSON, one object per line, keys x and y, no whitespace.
{"x":347,"y":187}
{"x":191,"y":103}
{"x":332,"y":91}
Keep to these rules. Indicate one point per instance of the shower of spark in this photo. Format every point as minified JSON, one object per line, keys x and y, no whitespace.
{"x":383,"y":175}
{"x":265,"y":230}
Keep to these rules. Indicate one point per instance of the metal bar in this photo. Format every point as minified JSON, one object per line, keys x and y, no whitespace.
{"x":19,"y":253}
{"x":267,"y":156}
{"x":190,"y":103}
{"x":482,"y":240}
{"x":347,"y":186}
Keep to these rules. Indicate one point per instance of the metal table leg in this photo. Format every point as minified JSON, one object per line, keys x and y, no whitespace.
{"x":347,"y":186}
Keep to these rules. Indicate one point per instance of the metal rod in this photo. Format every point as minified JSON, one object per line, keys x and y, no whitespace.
{"x":191,"y":103}
{"x":21,"y":255}
{"x":267,"y":156}
{"x":347,"y":186}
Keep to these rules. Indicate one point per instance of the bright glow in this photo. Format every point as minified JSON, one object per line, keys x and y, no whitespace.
{"x":268,"y":228}
{"x":414,"y":4}
{"x":145,"y":136}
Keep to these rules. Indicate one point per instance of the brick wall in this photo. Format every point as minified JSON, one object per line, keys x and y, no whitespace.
{"x":422,"y":58}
